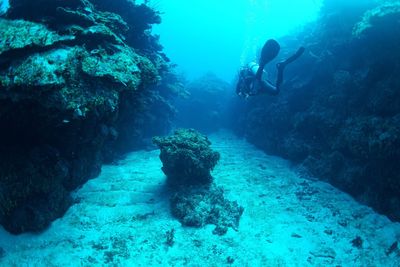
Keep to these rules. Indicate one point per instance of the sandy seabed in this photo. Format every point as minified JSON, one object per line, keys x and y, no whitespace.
{"x":121,"y":219}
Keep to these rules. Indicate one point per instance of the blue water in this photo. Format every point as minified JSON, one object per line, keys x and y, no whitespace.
{"x":219,"y":36}
{"x":3,"y":6}
{"x":337,"y":116}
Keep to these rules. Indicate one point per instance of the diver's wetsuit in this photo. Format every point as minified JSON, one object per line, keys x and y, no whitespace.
{"x":249,"y":85}
{"x":250,"y":77}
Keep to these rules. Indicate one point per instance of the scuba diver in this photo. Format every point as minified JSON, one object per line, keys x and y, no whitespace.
{"x":251,"y":81}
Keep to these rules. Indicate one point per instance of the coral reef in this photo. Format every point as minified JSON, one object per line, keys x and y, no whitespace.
{"x":187,"y":157}
{"x":187,"y":161}
{"x":339,"y":118}
{"x":379,"y":15}
{"x":77,"y":80}
{"x":19,"y":34}
{"x":201,"y":205}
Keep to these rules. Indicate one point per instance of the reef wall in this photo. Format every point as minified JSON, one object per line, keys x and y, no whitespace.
{"x":338,"y":114}
{"x":80,"y":82}
{"x":204,"y":105}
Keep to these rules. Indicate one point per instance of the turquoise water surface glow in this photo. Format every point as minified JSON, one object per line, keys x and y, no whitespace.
{"x":221,"y":35}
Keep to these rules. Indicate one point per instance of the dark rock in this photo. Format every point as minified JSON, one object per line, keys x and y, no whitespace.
{"x":357,"y":242}
{"x":170,"y":237}
{"x":328,"y":232}
{"x":230,"y":260}
{"x":71,"y":81}
{"x":394,"y":247}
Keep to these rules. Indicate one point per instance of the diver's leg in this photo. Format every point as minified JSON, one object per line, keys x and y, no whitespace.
{"x":265,"y":87}
{"x":296,"y":55}
{"x":279,"y":78}
{"x":281,"y":66}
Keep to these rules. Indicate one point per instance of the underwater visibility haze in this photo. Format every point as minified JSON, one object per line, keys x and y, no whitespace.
{"x":220,"y":36}
{"x":199,"y":133}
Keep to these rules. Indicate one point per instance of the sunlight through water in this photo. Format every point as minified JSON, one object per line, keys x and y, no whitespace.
{"x":219,"y":36}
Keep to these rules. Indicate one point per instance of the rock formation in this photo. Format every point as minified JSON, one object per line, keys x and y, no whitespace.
{"x":338,"y":114}
{"x":196,"y":201}
{"x":80,"y":82}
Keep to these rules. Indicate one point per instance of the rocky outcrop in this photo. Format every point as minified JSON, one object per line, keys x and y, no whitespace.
{"x":77,"y":80}
{"x":202,"y":205}
{"x":196,"y":201}
{"x":339,"y":118}
{"x":187,"y":157}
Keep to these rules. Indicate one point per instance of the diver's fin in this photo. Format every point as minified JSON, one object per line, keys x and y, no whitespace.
{"x":269,"y":51}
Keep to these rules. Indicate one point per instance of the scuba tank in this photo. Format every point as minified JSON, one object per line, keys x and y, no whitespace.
{"x":253,"y":67}
{"x":254,"y":86}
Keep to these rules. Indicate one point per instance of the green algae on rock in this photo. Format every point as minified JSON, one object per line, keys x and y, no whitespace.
{"x":18,"y":34}
{"x":72,"y":90}
{"x":121,"y":67}
{"x":45,"y":70}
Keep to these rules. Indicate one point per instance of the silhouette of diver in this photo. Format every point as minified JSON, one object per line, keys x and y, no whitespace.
{"x":251,"y":81}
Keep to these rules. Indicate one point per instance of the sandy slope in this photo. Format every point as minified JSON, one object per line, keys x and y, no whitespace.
{"x":121,"y":219}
